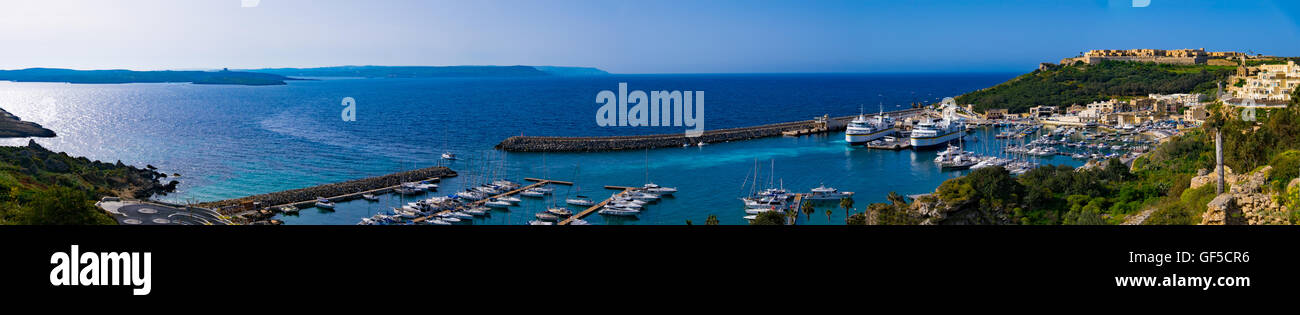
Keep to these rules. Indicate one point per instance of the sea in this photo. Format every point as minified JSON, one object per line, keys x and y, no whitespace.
{"x":228,"y":141}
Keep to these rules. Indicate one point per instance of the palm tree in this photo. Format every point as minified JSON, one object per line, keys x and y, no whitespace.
{"x":846,"y":203}
{"x":712,"y":220}
{"x":828,"y":215}
{"x":807,"y":209}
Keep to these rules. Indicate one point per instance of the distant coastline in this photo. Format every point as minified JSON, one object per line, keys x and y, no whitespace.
{"x":431,"y":71}
{"x":129,"y":76}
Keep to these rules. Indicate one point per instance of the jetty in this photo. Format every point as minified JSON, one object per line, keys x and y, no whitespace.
{"x":614,"y":143}
{"x":305,"y":197}
{"x":596,"y":207}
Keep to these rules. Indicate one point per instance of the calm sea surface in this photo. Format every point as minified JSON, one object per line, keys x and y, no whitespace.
{"x":233,"y":141}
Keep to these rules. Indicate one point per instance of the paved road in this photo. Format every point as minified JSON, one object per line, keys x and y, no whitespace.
{"x":141,"y":213}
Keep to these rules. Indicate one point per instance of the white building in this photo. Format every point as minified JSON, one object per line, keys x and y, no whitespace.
{"x":1272,"y":82}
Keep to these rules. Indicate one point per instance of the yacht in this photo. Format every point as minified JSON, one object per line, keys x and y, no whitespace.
{"x":579,"y":222}
{"x":510,"y":199}
{"x":369,"y":197}
{"x":936,"y":131}
{"x":546,"y":216}
{"x":616,"y":211}
{"x":532,"y":193}
{"x":862,"y":130}
{"x":406,"y":190}
{"x":540,"y":222}
{"x":324,"y":203}
{"x":580,"y":201}
{"x":827,"y":193}
{"x":448,"y":156}
{"x":561,"y":212}
{"x":497,"y":203}
{"x":289,"y":209}
{"x":477,"y":211}
{"x":471,"y":195}
{"x":659,"y":190}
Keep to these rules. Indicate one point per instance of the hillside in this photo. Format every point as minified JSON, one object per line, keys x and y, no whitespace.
{"x":129,"y":76}
{"x":40,"y":187}
{"x":1083,"y":84}
{"x":431,"y":72}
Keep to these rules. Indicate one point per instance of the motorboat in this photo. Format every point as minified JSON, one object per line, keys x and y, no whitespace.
{"x":540,"y":222}
{"x":616,"y":211}
{"x":532,"y":193}
{"x":477,"y":211}
{"x":369,"y":197}
{"x":510,"y":199}
{"x":580,"y":201}
{"x":448,"y":156}
{"x":496,"y":203}
{"x":579,"y":222}
{"x":546,"y":216}
{"x":827,"y":193}
{"x":324,"y":203}
{"x":289,"y":209}
{"x":561,"y":212}
{"x":660,"y":190}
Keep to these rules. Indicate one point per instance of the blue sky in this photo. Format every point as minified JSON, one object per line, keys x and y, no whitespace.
{"x":627,"y":36}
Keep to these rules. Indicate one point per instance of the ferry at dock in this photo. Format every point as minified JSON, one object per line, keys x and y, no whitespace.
{"x":861,"y":130}
{"x":937,"y":131}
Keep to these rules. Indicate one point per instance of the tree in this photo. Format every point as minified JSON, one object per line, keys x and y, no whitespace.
{"x":846,"y":203}
{"x":769,"y":218}
{"x":807,"y":209}
{"x":61,"y":206}
{"x":712,"y":220}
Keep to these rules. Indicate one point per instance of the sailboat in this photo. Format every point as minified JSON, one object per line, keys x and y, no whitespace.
{"x":579,"y":199}
{"x":651,"y":187}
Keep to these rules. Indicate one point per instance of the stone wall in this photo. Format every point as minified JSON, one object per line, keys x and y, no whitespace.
{"x":1248,"y":201}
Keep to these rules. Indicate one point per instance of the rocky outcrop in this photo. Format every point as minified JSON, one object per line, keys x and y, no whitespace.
{"x":1204,"y":177}
{"x":1248,"y":201}
{"x":13,"y":127}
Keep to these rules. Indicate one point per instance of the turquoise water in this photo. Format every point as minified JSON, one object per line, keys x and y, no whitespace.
{"x":233,"y":141}
{"x":710,"y":178}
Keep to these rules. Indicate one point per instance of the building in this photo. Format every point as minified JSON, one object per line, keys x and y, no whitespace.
{"x":1042,"y":111}
{"x":1176,"y":56}
{"x":1103,"y":107}
{"x":1195,"y":113}
{"x":1075,"y":109}
{"x":998,"y":113}
{"x":1272,"y":82}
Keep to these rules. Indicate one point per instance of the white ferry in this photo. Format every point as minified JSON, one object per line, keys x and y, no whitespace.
{"x":861,"y":130}
{"x":934,"y":131}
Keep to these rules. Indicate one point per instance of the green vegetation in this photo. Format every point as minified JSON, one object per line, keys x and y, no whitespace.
{"x":1083,"y":84}
{"x":769,"y":218}
{"x":39,"y":187}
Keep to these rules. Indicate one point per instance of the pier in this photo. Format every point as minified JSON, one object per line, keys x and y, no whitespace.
{"x":596,"y":207}
{"x":593,"y":144}
{"x":305,"y":197}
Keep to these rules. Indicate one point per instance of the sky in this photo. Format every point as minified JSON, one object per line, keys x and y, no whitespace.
{"x":627,"y":36}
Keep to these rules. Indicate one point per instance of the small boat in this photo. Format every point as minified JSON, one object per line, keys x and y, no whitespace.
{"x":751,"y":217}
{"x":477,"y":211}
{"x":656,"y":189}
{"x":369,"y":197}
{"x":562,"y":212}
{"x":532,"y":193}
{"x":496,"y":203}
{"x":540,"y":222}
{"x":448,"y":156}
{"x":438,"y":222}
{"x":510,"y":199}
{"x":324,"y":203}
{"x":289,"y":209}
{"x":546,"y":216}
{"x":617,"y":211}
{"x":462,"y":215}
{"x":543,"y":189}
{"x":579,"y":222}
{"x":580,"y":201}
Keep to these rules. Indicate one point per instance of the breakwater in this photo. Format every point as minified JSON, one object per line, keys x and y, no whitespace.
{"x":335,"y":191}
{"x":592,"y":144}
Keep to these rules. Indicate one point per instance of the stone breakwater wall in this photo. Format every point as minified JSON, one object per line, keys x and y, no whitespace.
{"x":592,"y":144}
{"x":310,"y":194}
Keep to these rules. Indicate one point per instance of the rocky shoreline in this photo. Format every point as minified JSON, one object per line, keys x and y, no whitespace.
{"x":231,"y":206}
{"x":13,"y":127}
